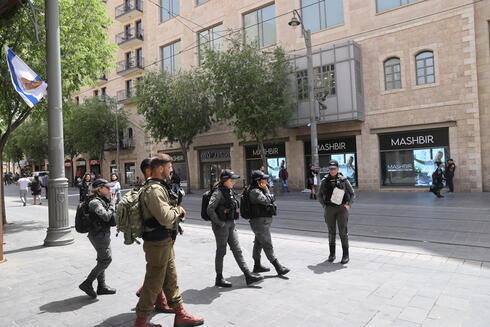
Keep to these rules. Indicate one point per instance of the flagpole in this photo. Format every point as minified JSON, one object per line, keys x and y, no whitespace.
{"x":59,"y":230}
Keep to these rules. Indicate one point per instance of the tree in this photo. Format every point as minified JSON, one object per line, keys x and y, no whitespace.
{"x":92,"y":126}
{"x":85,"y":55}
{"x":32,"y":138}
{"x":254,"y":88}
{"x":12,"y":151}
{"x":71,"y":143}
{"x":176,"y":108}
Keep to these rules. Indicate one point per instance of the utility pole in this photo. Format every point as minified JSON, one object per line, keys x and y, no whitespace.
{"x":59,"y":230}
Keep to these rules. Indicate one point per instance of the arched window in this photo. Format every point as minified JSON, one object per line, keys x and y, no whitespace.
{"x":393,"y":75}
{"x":424,"y":65}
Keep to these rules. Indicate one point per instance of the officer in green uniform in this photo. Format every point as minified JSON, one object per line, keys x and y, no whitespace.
{"x":161,"y":217}
{"x":336,"y":196}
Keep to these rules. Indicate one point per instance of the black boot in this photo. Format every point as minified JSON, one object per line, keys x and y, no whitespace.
{"x":258,"y":268}
{"x":221,"y":282}
{"x":87,"y":287}
{"x":314,"y":196}
{"x":331,"y":257}
{"x":251,"y":278}
{"x":345,"y":255}
{"x":281,"y":270}
{"x":102,"y":288}
{"x":311,"y":196}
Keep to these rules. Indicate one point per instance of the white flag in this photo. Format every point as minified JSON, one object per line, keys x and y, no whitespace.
{"x":26,"y":82}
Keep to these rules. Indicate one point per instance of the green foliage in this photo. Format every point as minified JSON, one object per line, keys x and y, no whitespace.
{"x":12,"y":151}
{"x":91,"y":126}
{"x":253,"y":86}
{"x":32,"y":138}
{"x":176,"y":108}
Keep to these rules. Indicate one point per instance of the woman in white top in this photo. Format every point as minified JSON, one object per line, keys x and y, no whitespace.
{"x":115,"y":187}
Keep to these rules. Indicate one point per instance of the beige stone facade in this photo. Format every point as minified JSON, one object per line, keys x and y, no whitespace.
{"x":457,"y":102}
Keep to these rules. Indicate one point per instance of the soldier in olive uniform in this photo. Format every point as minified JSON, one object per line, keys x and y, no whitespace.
{"x":223,"y":209}
{"x":336,"y":196}
{"x":101,"y":207}
{"x":263,"y":208}
{"x":161,"y":217}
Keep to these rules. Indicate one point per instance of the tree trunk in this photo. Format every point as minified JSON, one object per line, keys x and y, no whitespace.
{"x":2,"y":206}
{"x":187,"y":170}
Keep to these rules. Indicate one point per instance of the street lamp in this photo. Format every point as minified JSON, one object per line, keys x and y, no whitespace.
{"x":296,"y":21}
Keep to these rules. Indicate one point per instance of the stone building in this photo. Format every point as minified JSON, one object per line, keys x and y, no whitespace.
{"x":402,"y":83}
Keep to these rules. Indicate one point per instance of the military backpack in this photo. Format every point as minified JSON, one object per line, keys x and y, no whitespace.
{"x":245,"y":208}
{"x":83,"y":223}
{"x":129,"y":216}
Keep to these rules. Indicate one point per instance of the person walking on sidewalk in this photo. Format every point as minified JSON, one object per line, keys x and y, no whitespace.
{"x":449,"y":172}
{"x":438,"y":180}
{"x":36,"y":188}
{"x":313,"y":182}
{"x":44,"y":182}
{"x":336,"y":196}
{"x":101,"y":207}
{"x":223,"y":209}
{"x":84,"y":184}
{"x":161,"y":217}
{"x":116,"y":187}
{"x":283,"y":175}
{"x":263,"y":208}
{"x":23,"y":184}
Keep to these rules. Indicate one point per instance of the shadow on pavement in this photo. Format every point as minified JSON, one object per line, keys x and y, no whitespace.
{"x":23,"y":226}
{"x":326,"y":267}
{"x":120,"y":320}
{"x":67,"y":305}
{"x":28,"y":248}
{"x":209,"y":294}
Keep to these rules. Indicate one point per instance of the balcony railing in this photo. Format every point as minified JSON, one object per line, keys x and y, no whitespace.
{"x":125,"y":95}
{"x":130,"y":65}
{"x":129,"y":37}
{"x":124,"y":144}
{"x":129,"y":9}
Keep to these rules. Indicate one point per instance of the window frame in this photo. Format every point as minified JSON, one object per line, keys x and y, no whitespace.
{"x":260,"y":25}
{"x":171,"y":8}
{"x":211,"y":41}
{"x":425,"y":67}
{"x":319,"y":5}
{"x":410,"y":2}
{"x":320,"y":74}
{"x":175,"y":68}
{"x":393,"y":81}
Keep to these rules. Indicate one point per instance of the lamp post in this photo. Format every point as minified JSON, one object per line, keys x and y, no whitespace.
{"x":311,"y":92}
{"x":59,"y":230}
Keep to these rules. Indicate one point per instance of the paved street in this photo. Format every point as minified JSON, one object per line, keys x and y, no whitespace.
{"x":415,"y":261}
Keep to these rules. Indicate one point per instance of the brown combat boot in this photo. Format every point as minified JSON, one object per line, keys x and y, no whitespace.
{"x":142,"y":322}
{"x":183,"y":319}
{"x":161,"y":304}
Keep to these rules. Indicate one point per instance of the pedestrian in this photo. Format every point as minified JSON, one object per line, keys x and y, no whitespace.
{"x":115,"y":187}
{"x":5,"y":178}
{"x":175,"y":182}
{"x":313,"y":182}
{"x":93,"y":176}
{"x":283,"y":176}
{"x":84,"y":184}
{"x":438,"y":180}
{"x":36,"y":190}
{"x":44,"y":183}
{"x":449,"y":173}
{"x":23,"y":184}
{"x":161,"y":217}
{"x":263,"y":208}
{"x":101,"y":207}
{"x":223,"y":209}
{"x":336,"y":196}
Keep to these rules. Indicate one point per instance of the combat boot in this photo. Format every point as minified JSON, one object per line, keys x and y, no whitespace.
{"x":220,"y":281}
{"x":331,"y":257}
{"x":183,"y":319}
{"x":87,"y":287}
{"x":161,"y":304}
{"x":251,"y":278}
{"x":345,"y":255}
{"x":281,"y":270}
{"x":258,"y":268}
{"x":102,"y":288}
{"x":142,"y":322}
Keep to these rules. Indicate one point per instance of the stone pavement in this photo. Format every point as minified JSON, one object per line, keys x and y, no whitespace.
{"x":406,"y":285}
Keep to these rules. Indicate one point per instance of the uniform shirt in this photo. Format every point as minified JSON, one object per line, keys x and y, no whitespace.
{"x":103,"y":209}
{"x":327,"y":186}
{"x":261,"y":200}
{"x":24,"y":184}
{"x":217,"y":202}
{"x":156,"y":200}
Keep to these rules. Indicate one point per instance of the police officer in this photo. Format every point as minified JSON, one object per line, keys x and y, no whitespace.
{"x":336,"y":196}
{"x":161,"y":215}
{"x":101,"y":208}
{"x":223,"y":209}
{"x":263,"y":208}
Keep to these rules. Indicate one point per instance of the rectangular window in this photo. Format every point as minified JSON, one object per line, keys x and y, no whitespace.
{"x":260,"y":26}
{"x":383,"y":5}
{"x":171,"y":58}
{"x":211,"y":38}
{"x":200,"y":1}
{"x":319,"y":15}
{"x":139,"y":57}
{"x":96,"y":93}
{"x":323,"y":81}
{"x":169,"y":9}
{"x":138,"y":29}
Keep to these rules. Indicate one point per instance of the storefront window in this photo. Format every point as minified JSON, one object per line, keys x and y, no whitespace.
{"x":129,"y":173}
{"x":275,"y":154}
{"x":212,"y":161}
{"x":409,"y":158}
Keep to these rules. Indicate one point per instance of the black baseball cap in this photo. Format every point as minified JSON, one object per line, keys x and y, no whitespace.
{"x":333,"y":164}
{"x":100,"y":182}
{"x":227,"y":174}
{"x":257,"y":175}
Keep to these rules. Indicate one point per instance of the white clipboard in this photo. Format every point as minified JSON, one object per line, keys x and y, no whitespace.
{"x":337,"y":196}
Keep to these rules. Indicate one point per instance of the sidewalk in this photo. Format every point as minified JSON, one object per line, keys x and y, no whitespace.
{"x":377,"y":288}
